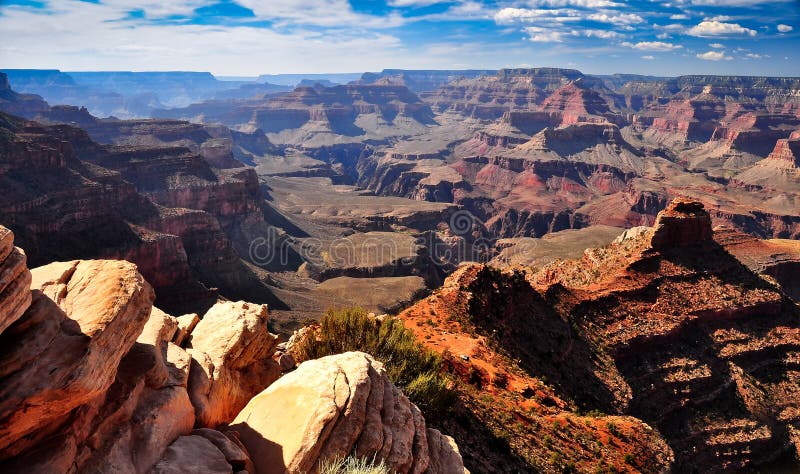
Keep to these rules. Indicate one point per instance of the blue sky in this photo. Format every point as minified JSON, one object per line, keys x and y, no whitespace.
{"x":250,"y":37}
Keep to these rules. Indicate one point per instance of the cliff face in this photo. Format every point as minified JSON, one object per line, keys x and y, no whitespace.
{"x":489,"y":97}
{"x":297,"y":117}
{"x":664,"y":325}
{"x":165,"y":208}
{"x":11,"y":102}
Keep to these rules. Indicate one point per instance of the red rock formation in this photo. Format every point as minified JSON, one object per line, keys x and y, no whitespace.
{"x":489,"y":97}
{"x":683,"y":222}
{"x":787,"y":151}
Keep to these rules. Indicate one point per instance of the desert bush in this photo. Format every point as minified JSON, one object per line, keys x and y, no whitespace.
{"x":353,"y":465}
{"x":408,"y":364}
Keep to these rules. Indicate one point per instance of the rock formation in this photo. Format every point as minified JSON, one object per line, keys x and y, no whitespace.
{"x":12,"y":102}
{"x":683,"y":222}
{"x":335,"y":406}
{"x":94,"y":377}
{"x":15,"y":279}
{"x":231,"y":350}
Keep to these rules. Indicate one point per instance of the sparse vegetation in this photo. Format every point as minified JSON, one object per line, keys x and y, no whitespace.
{"x":409,"y":365}
{"x":353,"y":465}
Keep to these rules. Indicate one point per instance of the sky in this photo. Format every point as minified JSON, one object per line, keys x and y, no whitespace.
{"x":251,"y":37}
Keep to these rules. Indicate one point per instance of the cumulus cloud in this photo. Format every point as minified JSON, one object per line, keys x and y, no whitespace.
{"x":717,"y":28}
{"x":543,"y":35}
{"x":617,"y":18}
{"x":785,"y":28}
{"x":414,"y":3}
{"x":602,"y":34}
{"x":652,"y":46}
{"x":574,"y":3}
{"x":507,"y":16}
{"x":713,"y":56}
{"x":733,"y":3}
{"x":648,"y":57}
{"x":717,"y":45}
{"x":328,"y":13}
{"x":679,"y":16}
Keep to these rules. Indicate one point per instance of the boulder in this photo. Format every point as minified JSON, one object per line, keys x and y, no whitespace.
{"x":65,"y":350}
{"x":192,"y":454}
{"x":130,"y":425}
{"x":231,"y":349}
{"x":186,"y":325}
{"x":334,"y":407}
{"x":230,"y":446}
{"x":443,"y":452}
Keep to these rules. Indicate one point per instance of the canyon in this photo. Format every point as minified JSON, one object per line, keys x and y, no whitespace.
{"x":607,"y":267}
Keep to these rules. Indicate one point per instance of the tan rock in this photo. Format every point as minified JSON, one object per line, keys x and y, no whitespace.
{"x":139,"y":416}
{"x":192,"y":455}
{"x":444,"y":454}
{"x":186,"y":325}
{"x":231,"y":348}
{"x":332,"y":407}
{"x":66,"y":354}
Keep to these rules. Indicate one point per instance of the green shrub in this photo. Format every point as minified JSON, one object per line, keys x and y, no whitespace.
{"x":353,"y":465}
{"x":408,"y":364}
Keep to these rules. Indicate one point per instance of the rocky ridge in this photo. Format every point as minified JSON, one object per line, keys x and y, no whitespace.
{"x":663,"y":324}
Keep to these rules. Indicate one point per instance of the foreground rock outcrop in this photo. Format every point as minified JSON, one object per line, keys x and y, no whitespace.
{"x":65,"y":350}
{"x":95,"y":379}
{"x":335,"y":406}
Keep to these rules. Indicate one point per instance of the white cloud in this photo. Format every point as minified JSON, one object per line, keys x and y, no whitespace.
{"x":718,"y":28}
{"x":617,"y":18}
{"x":652,"y":46}
{"x":88,"y":36}
{"x":679,"y":16}
{"x":717,"y":45}
{"x":329,"y":13}
{"x":543,"y":35}
{"x":785,"y":28}
{"x":713,"y":56}
{"x":648,"y":57}
{"x":756,"y":56}
{"x":733,"y":3}
{"x":414,"y":3}
{"x":602,"y":34}
{"x":574,"y":3}
{"x":507,"y":16}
